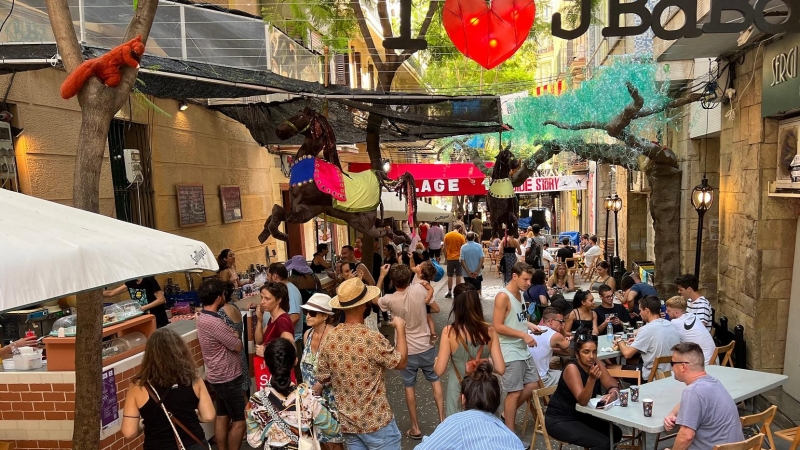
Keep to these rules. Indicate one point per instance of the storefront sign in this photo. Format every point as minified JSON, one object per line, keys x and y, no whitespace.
{"x":750,"y":15}
{"x":548,"y":184}
{"x":780,"y":84}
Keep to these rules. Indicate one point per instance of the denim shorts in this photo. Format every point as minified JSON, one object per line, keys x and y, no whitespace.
{"x":421,"y":361}
{"x":229,"y":399}
{"x":386,"y":438}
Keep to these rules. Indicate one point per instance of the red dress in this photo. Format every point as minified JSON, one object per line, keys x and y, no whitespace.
{"x":423,"y":234}
{"x":275,"y":328}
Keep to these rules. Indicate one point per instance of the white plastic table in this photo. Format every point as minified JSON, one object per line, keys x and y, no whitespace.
{"x":741,"y":384}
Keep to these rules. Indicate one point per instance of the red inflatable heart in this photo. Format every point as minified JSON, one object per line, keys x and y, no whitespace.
{"x":488,"y":35}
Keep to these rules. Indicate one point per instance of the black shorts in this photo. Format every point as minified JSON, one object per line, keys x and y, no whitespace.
{"x":435,"y":253}
{"x":229,"y":399}
{"x":475,"y":281}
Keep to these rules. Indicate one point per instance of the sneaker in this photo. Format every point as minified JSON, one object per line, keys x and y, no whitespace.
{"x":449,"y":295}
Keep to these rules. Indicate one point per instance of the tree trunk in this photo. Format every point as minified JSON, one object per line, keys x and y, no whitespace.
{"x":665,"y":209}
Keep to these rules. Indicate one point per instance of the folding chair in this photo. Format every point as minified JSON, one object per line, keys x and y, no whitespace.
{"x":762,"y":420}
{"x":791,"y":435}
{"x":726,"y":351}
{"x":754,"y":443}
{"x":538,"y":422}
{"x":658,"y":361}
{"x":636,"y":438}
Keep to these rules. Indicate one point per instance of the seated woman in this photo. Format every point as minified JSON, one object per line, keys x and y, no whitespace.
{"x":582,"y":379}
{"x":583,"y":315}
{"x":603,"y":276}
{"x":537,"y":296}
{"x":561,"y":279}
{"x":476,"y":426}
{"x":275,"y":413}
{"x":319,"y":264}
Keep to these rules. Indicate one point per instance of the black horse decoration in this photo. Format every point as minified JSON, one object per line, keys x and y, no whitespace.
{"x":502,"y":201}
{"x":320,"y":186}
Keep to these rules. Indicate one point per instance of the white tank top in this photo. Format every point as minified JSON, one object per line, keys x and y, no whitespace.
{"x":514,"y":349}
{"x":543,"y":351}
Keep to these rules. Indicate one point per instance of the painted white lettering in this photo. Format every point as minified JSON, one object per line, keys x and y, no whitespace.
{"x":438,"y":185}
{"x":452,"y":185}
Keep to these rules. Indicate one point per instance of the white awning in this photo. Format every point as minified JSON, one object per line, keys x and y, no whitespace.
{"x":396,"y":209}
{"x":51,"y":250}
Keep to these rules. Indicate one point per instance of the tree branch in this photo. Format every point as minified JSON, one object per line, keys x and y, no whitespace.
{"x":577,"y":126}
{"x":677,"y":103}
{"x":473,"y":155}
{"x":365,"y":33}
{"x":624,"y":118}
{"x":383,"y":18}
{"x":433,"y":6}
{"x":64,"y":32}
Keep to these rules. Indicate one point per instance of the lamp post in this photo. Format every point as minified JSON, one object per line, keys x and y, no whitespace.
{"x":702,"y":198}
{"x":609,"y":205}
{"x":616,"y":206}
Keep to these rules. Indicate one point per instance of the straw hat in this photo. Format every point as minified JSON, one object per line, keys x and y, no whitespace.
{"x":352,"y":293}
{"x":320,"y":303}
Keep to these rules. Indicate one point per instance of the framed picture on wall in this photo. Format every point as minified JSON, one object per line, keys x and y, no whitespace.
{"x":191,"y":205}
{"x":231,"y":198}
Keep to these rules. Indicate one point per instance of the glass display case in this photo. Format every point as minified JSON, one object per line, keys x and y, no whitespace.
{"x":68,"y":323}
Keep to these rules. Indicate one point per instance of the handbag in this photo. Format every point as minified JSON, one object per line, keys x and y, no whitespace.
{"x":151,"y":391}
{"x":294,"y":434}
{"x":471,"y":364}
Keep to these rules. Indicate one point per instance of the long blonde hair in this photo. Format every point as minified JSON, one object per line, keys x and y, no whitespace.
{"x":554,"y":277}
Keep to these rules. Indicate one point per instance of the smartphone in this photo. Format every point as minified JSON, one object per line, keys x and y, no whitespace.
{"x":601,"y":404}
{"x":389,"y":315}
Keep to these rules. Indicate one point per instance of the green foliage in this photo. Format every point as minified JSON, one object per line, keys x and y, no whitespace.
{"x":571,"y":12}
{"x":333,"y":19}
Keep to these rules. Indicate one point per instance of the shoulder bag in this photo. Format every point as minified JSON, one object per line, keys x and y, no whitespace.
{"x":471,"y":364}
{"x":294,"y":434}
{"x":173,"y":420}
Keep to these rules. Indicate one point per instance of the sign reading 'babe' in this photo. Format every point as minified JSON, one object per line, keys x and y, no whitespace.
{"x":690,"y":29}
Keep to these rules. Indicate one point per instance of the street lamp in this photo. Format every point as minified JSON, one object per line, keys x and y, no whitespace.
{"x":609,"y":205}
{"x":702,"y":198}
{"x":616,"y":206}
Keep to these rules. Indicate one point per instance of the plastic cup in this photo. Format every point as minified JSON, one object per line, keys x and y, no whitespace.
{"x":634,"y":393}
{"x":647,"y":406}
{"x":623,"y":398}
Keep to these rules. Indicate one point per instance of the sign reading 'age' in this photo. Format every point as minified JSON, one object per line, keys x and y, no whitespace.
{"x":690,"y":29}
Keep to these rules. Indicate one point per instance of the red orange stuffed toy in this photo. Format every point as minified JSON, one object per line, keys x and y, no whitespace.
{"x":106,"y":67}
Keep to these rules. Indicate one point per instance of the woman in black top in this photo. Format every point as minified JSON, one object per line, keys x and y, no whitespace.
{"x":168,"y":374}
{"x":390,"y":258}
{"x":319,"y":264}
{"x":583,"y":315}
{"x":581,"y":381}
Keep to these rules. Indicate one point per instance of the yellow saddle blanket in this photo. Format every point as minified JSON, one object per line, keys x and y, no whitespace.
{"x":501,"y":188}
{"x":363,"y":192}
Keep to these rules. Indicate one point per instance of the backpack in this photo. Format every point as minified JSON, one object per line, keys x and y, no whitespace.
{"x":439,"y":271}
{"x":534,"y":255}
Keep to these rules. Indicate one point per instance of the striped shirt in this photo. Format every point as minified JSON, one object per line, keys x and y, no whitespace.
{"x":702,"y":309}
{"x":471,"y":430}
{"x":218,"y":343}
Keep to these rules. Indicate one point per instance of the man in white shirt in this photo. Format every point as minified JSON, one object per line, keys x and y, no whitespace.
{"x":435,"y":238}
{"x":690,"y":327}
{"x":591,"y":254}
{"x":547,"y":259}
{"x":553,"y":319}
{"x":699,"y":305}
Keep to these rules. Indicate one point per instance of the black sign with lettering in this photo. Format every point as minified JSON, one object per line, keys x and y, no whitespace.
{"x":191,"y":205}
{"x":751,"y":15}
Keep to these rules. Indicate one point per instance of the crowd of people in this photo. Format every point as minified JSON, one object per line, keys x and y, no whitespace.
{"x":327,"y":360}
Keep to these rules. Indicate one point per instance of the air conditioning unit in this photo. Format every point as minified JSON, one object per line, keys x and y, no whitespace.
{"x":639,"y":182}
{"x":788,"y":132}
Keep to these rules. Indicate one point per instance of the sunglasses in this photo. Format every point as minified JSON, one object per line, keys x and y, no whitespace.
{"x":559,"y":320}
{"x":311,"y":313}
{"x":585,"y":338}
{"x":672,"y":363}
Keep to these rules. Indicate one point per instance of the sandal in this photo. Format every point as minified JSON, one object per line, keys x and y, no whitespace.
{"x":413,"y":436}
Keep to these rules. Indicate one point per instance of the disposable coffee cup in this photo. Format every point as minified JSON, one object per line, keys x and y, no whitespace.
{"x":634,"y":393}
{"x":647,"y":406}
{"x":617,"y":335}
{"x":639,"y":324}
{"x":623,"y":398}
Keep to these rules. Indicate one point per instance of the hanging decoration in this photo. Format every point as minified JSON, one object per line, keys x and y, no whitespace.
{"x":488,"y":34}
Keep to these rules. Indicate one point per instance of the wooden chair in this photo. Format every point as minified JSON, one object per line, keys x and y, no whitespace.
{"x":575,"y":266}
{"x":662,"y":375}
{"x":726,"y":351}
{"x":636,"y":437}
{"x":792,"y":435}
{"x":658,"y":361}
{"x":762,"y":420}
{"x":754,"y":443}
{"x":538,"y":421}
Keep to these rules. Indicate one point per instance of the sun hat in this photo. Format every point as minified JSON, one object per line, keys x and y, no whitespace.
{"x":352,"y":293}
{"x":298,"y":264}
{"x":320,"y":303}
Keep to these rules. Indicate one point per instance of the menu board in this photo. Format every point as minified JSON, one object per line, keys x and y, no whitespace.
{"x":191,"y":205}
{"x":231,"y":203}
{"x":109,"y":409}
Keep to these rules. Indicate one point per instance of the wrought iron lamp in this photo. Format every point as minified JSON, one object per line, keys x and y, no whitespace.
{"x":702,"y":199}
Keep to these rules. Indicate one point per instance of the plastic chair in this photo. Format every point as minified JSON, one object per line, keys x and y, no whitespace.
{"x":754,"y":443}
{"x":762,"y":420}
{"x":726,"y":351}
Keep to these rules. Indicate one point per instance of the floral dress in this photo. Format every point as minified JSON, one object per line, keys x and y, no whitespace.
{"x":308,"y":367}
{"x":271,"y":418}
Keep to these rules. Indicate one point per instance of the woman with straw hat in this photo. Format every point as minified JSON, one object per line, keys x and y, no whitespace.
{"x":320,"y":317}
{"x":354,"y":360}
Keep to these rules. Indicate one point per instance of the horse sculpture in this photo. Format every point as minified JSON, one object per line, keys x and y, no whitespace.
{"x":502,"y":201}
{"x":320,"y":186}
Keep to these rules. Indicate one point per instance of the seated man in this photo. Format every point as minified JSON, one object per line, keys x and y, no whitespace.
{"x":591,"y":253}
{"x":690,"y":327}
{"x":607,"y":308}
{"x":546,"y":342}
{"x":653,"y":340}
{"x":706,"y":414}
{"x":566,"y":251}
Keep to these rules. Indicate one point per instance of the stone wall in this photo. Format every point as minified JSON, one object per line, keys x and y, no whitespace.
{"x":757,"y":232}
